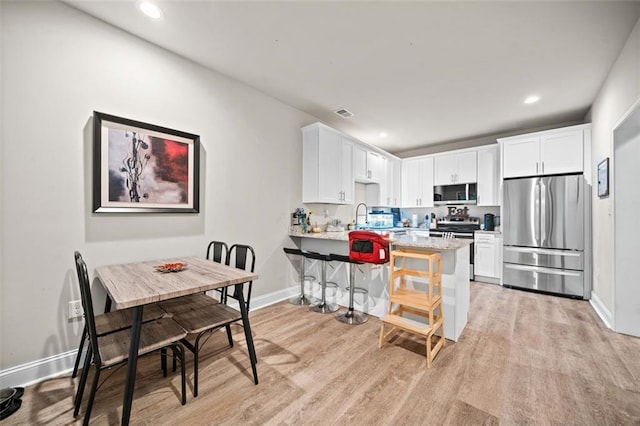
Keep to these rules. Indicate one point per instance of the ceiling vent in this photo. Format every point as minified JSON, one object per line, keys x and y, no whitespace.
{"x":344,"y":113}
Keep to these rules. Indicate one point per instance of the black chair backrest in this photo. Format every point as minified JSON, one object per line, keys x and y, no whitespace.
{"x":242,"y":256}
{"x":217,"y":251}
{"x":87,"y":304}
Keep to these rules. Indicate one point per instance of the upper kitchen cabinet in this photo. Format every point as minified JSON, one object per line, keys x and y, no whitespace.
{"x":369,"y":166}
{"x":394,"y":182}
{"x":488,"y":176}
{"x":388,"y":192}
{"x":417,"y":182}
{"x":455,"y":168}
{"x":327,"y":166}
{"x":551,"y":152}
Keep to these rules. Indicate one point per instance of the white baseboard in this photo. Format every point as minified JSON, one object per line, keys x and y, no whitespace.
{"x":61,"y":364}
{"x":39,"y":370}
{"x":601,"y":310}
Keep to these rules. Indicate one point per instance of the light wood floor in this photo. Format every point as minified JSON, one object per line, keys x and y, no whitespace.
{"x":523,"y":358}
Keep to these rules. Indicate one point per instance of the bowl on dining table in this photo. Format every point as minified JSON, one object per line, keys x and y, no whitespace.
{"x":171,"y":267}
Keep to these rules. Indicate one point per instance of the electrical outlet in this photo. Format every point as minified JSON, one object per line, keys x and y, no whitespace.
{"x":75,"y":309}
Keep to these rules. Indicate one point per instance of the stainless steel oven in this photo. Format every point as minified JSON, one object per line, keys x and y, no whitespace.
{"x":459,"y":228}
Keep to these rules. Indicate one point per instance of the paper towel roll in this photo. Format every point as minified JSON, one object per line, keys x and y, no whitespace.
{"x":414,"y":221}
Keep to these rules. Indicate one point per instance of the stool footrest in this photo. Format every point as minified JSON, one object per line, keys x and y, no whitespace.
{"x":413,"y":326}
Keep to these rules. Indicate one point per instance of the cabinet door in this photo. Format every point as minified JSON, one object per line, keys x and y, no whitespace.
{"x":445,"y":169}
{"x":360,"y":169}
{"x":485,"y":255}
{"x":488,"y":177}
{"x":375,"y":165}
{"x":397,"y":183}
{"x":346,"y":172}
{"x":394,"y":173}
{"x":561,"y":152}
{"x":329,"y":167}
{"x":522,"y":157}
{"x":411,"y":183}
{"x":466,"y":167}
{"x":426,"y":197}
{"x":384,"y":187}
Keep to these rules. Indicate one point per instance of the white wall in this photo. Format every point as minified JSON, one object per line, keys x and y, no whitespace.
{"x":618,"y":93}
{"x":58,"y":65}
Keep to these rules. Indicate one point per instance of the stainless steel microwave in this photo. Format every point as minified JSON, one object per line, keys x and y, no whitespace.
{"x":455,"y":194}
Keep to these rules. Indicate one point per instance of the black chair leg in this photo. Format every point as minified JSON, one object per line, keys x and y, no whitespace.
{"x":79,"y":355}
{"x":163,"y":361}
{"x":195,"y":351}
{"x":92,"y":395}
{"x":178,"y":352}
{"x":82,"y":383}
{"x":228,"y":328}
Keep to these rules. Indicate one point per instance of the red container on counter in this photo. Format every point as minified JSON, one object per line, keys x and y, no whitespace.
{"x":368,"y":247}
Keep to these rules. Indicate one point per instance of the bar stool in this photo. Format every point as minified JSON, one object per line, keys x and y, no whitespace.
{"x":323,"y":307}
{"x":351,"y":316}
{"x":301,"y":299}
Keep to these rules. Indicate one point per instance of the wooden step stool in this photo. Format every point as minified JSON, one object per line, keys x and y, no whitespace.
{"x":425,"y":303}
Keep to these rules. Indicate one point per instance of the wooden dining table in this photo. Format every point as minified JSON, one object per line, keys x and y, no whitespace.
{"x":134,"y":285}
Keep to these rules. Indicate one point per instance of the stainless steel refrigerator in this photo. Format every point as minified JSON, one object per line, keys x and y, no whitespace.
{"x":546,"y":225}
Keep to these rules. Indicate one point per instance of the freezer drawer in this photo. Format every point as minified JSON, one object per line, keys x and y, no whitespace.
{"x":551,"y":280}
{"x":562,"y":259}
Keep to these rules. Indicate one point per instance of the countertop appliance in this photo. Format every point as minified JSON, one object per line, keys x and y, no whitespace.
{"x":379,"y":220}
{"x":546,"y":224}
{"x":489,"y":224}
{"x":459,"y":227}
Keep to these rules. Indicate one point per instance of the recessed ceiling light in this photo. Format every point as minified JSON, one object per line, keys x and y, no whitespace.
{"x":383,"y":135}
{"x":532,"y":99}
{"x":151,"y":10}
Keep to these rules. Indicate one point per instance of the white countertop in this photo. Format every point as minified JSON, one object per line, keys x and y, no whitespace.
{"x":418,"y":239}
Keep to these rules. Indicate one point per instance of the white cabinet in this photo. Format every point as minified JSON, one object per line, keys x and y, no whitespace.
{"x":551,"y":152}
{"x":360,"y":169}
{"x":369,"y":166}
{"x":394,"y":177}
{"x":327,"y":166}
{"x":487,"y":255}
{"x":488,"y":188}
{"x":417,"y":182}
{"x":389,"y":187}
{"x":378,"y":193}
{"x":455,"y":168}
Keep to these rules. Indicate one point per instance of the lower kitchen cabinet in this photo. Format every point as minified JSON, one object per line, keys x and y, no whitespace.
{"x":488,"y":256}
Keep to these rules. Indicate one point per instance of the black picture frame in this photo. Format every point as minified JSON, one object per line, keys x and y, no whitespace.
{"x":603,"y":178}
{"x":143,"y":168}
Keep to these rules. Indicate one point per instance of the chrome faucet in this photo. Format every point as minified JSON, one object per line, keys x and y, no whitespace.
{"x":355,"y":224}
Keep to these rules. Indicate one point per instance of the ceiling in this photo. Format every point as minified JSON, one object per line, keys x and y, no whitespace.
{"x":423,"y":72}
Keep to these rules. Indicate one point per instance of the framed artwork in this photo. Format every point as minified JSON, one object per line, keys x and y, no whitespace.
{"x":143,"y":168}
{"x":603,"y":178}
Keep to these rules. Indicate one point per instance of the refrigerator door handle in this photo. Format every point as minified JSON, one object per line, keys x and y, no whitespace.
{"x":543,"y":212}
{"x":551,"y":271}
{"x":536,"y":216}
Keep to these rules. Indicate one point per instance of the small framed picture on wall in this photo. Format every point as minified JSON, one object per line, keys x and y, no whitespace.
{"x":603,"y":178}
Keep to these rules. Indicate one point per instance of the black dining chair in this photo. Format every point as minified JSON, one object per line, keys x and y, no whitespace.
{"x":203,"y":321}
{"x":216,"y":252}
{"x":110,"y":322}
{"x":112,"y":349}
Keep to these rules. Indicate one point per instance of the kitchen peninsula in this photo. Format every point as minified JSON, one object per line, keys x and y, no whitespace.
{"x":455,"y":272}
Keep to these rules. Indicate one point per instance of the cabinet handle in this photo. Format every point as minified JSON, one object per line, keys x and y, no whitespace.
{"x":536,"y":167}
{"x":543,"y":167}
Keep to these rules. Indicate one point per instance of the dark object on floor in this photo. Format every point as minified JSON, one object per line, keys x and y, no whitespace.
{"x":10,"y":401}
